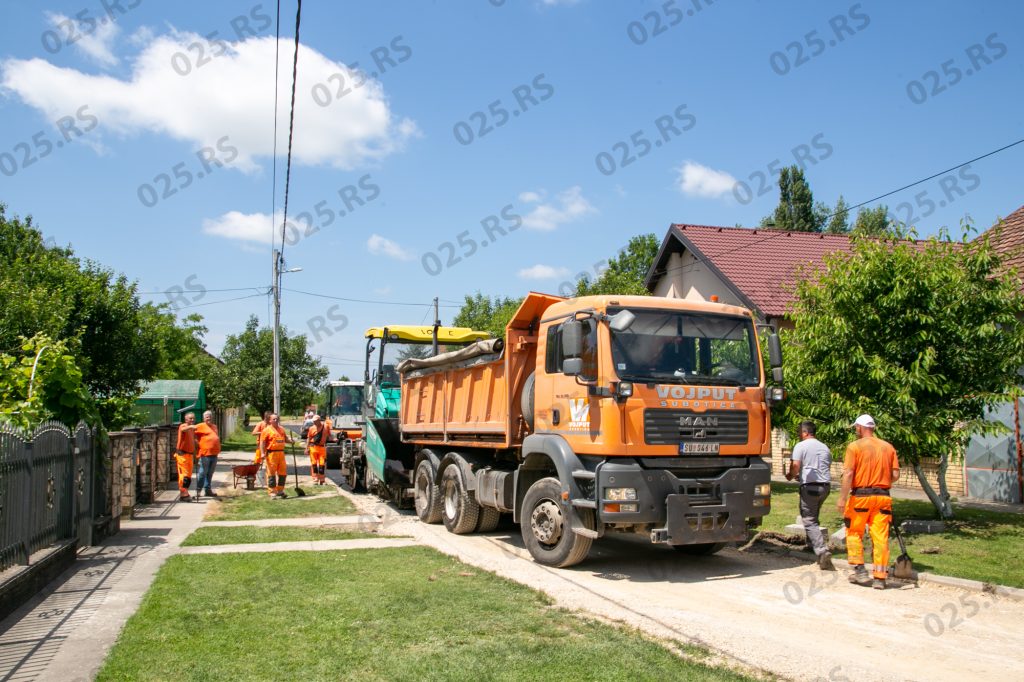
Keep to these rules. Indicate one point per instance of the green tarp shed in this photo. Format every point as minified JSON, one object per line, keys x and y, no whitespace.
{"x":163,"y":400}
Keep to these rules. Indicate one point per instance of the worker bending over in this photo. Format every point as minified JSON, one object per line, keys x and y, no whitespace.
{"x":868,"y":472}
{"x":184,"y":455}
{"x":272,"y":442}
{"x":316,"y":447}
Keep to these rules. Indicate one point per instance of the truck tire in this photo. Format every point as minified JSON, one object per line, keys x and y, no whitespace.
{"x":702,"y":549}
{"x":526,"y":400}
{"x":488,"y":520}
{"x":428,"y":493}
{"x":459,"y":509}
{"x":544,"y":524}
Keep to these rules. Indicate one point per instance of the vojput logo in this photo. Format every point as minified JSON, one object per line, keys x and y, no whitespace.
{"x":579,"y":414}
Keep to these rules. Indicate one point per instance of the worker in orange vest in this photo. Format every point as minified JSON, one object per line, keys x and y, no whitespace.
{"x":209,"y":449}
{"x":870,"y":468}
{"x":256,"y":431}
{"x":272,"y":442}
{"x":184,"y":455}
{"x":316,"y":447}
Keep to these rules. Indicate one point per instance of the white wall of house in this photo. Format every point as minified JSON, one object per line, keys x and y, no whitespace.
{"x":686,"y":277}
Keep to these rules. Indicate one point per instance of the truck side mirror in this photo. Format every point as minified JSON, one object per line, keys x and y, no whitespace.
{"x":777,"y":375}
{"x":774,"y":351}
{"x":622,"y":321}
{"x":572,"y":366}
{"x":572,"y":339}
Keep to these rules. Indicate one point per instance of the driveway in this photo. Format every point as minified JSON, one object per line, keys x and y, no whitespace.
{"x":756,"y":609}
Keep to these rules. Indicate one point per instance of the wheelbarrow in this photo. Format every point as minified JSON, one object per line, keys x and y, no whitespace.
{"x":246,"y":471}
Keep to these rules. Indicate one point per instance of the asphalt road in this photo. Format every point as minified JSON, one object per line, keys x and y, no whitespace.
{"x":758,"y":610}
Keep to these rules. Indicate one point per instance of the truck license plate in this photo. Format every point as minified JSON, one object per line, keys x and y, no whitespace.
{"x":698,"y":448}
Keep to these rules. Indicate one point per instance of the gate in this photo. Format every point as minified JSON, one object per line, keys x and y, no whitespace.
{"x":46,"y":491}
{"x":993,"y":462}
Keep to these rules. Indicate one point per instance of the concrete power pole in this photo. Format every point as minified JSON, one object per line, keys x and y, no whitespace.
{"x":277,"y":327}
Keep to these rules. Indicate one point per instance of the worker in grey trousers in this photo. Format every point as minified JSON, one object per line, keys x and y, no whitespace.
{"x":811,"y":465}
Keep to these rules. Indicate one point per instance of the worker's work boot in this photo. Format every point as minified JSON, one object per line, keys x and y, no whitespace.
{"x":825,"y":561}
{"x":878,"y":584}
{"x":860,"y":575}
{"x":280,"y":496}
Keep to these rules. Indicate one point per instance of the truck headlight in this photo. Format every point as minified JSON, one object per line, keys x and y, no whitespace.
{"x":778,"y":394}
{"x":620,"y":493}
{"x":763,"y":489}
{"x":761,"y":502}
{"x":621,"y":508}
{"x":625,"y":389}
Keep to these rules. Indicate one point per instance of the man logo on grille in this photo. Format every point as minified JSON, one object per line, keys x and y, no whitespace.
{"x":700,"y":433}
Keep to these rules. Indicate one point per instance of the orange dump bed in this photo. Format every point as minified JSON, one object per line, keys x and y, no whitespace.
{"x":475,"y":402}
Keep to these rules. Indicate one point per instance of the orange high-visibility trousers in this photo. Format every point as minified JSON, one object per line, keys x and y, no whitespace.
{"x":875,"y":513}
{"x":277,"y":471}
{"x":185,"y":464}
{"x":317,"y":458}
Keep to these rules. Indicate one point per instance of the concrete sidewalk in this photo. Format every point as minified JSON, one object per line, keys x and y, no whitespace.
{"x":65,"y":632}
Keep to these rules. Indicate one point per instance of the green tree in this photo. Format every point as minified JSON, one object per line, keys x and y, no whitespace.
{"x":874,"y":222}
{"x":839,"y":221}
{"x":248,"y":372}
{"x":796,"y":209}
{"x":486,"y":314}
{"x":95,"y":312}
{"x":181,"y":351}
{"x":626,"y":272}
{"x":923,"y":337}
{"x":41,"y":380}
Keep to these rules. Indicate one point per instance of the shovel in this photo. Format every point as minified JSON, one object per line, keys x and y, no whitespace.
{"x":904,"y":569}
{"x":298,"y":491}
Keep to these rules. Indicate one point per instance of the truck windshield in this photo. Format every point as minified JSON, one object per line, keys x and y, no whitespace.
{"x":695,"y":348}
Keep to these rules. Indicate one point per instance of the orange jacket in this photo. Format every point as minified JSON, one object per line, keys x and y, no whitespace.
{"x":318,"y":440}
{"x":186,"y":440}
{"x":209,"y":440}
{"x":872,"y":461}
{"x":273,"y":438}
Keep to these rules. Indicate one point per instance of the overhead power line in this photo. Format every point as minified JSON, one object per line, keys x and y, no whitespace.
{"x":360,"y":300}
{"x":154,"y":293}
{"x":291,"y":127}
{"x":772,"y":234}
{"x":226,"y":300}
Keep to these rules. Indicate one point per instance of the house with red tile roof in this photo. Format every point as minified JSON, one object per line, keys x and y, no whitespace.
{"x":758,"y":269}
{"x":754,"y":268}
{"x":1007,"y":237}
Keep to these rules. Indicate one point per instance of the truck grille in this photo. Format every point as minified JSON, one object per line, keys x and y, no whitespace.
{"x":671,"y":427}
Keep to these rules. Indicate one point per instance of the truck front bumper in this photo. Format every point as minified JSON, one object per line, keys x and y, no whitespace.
{"x":683,"y":509}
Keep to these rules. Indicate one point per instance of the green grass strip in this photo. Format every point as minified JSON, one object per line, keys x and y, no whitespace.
{"x":243,"y":535}
{"x":389,"y":614}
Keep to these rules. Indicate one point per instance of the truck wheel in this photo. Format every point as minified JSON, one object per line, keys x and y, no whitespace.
{"x":354,"y":476}
{"x":488,"y":521}
{"x":460,"y":510}
{"x":428,"y":493}
{"x":702,"y":549}
{"x":545,"y":526}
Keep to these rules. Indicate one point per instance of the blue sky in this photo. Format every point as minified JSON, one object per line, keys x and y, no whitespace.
{"x":408,"y":144}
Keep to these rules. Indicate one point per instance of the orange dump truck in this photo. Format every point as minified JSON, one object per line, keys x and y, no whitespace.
{"x":595,"y":415}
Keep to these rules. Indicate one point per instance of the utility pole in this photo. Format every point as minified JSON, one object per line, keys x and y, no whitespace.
{"x":437,"y":323}
{"x":277,"y":326}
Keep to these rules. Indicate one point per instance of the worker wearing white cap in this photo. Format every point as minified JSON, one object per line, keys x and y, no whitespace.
{"x":868,"y":472}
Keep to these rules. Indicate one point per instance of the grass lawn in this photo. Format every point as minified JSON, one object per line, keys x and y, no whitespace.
{"x":258,"y":505}
{"x":241,"y":439}
{"x":393,"y":614}
{"x":978,"y":544}
{"x":241,"y":535}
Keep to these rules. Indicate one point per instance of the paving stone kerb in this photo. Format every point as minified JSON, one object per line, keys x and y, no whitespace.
{"x":367,"y":522}
{"x":301,"y":546}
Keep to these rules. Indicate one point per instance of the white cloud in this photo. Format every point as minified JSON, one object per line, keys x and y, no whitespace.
{"x":227,"y":96}
{"x":95,"y":43}
{"x":543,"y":272}
{"x":696,"y":180}
{"x":381,"y":246}
{"x":247,"y":227}
{"x":567,"y":207}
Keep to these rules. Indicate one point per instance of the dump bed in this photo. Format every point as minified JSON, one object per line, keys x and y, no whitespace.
{"x":475,"y":401}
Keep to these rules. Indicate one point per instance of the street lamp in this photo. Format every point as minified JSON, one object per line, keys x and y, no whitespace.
{"x":278,"y":271}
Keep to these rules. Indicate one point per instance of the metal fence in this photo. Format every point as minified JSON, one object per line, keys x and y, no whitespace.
{"x":46,"y":489}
